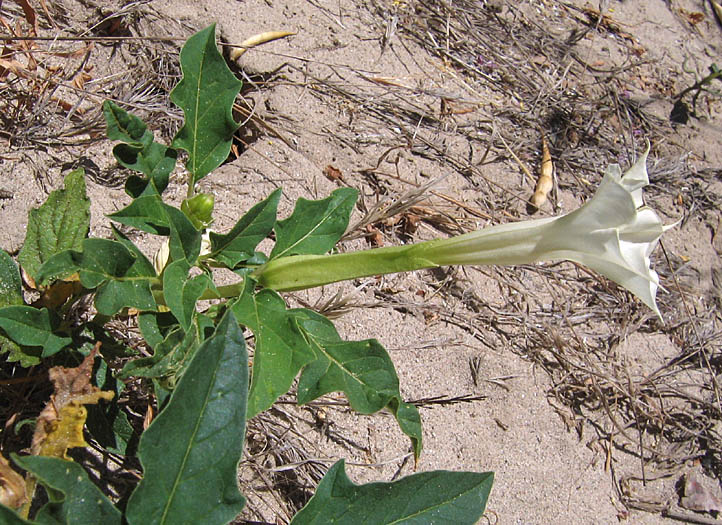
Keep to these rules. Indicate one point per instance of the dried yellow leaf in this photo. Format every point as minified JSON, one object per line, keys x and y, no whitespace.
{"x":60,"y":424}
{"x":12,"y":486}
{"x":545,"y":182}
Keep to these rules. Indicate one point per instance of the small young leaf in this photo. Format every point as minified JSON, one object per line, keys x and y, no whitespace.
{"x":155,"y":161}
{"x":139,"y":153}
{"x":427,"y":497}
{"x":314,"y":227}
{"x":172,"y":356}
{"x":190,"y":452}
{"x":166,"y":356}
{"x":125,"y":126}
{"x":181,"y":292}
{"x":362,"y":370}
{"x":281,"y":348}
{"x":239,"y":244}
{"x":29,"y":326}
{"x":83,"y":502}
{"x":205,"y":94}
{"x":11,"y":292}
{"x":61,"y":223}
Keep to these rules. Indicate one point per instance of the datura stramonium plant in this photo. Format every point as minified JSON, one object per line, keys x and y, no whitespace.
{"x":613,"y":233}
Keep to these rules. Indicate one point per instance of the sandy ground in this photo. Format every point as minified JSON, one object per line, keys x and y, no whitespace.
{"x":471,"y":338}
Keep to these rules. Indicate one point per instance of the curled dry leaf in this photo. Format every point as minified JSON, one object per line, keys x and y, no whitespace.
{"x":333,"y":174}
{"x":12,"y":486}
{"x":698,"y":497}
{"x":29,"y":13}
{"x":257,"y":40}
{"x":544,"y":183}
{"x":57,"y":293}
{"x":60,"y":424}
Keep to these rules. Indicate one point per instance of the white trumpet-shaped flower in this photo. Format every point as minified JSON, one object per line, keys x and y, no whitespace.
{"x":613,"y":233}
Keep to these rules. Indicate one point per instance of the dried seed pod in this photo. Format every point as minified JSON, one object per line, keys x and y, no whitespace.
{"x":544,"y":183}
{"x":257,"y":40}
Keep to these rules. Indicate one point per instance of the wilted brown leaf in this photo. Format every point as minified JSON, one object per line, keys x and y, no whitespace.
{"x":80,"y":80}
{"x":12,"y":486}
{"x":60,"y":424}
{"x":332,"y":173}
{"x":693,"y":17}
{"x":699,"y":497}
{"x":29,"y":13}
{"x":56,"y":294}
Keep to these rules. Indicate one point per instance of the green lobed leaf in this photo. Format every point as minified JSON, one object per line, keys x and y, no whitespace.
{"x":10,"y":517}
{"x":205,"y":94}
{"x":154,"y":326}
{"x":24,"y":356}
{"x":141,"y":267}
{"x":61,"y":223}
{"x":107,"y":422}
{"x":11,"y":294}
{"x":167,"y":356}
{"x":125,"y":126}
{"x":181,"y":292}
{"x":172,"y":356}
{"x":155,"y":161}
{"x":190,"y":453}
{"x":81,"y":502}
{"x":185,"y":239}
{"x":114,"y":295}
{"x":134,"y":289}
{"x":119,"y":272}
{"x":139,"y":153}
{"x":239,"y":244}
{"x":28,"y":326}
{"x":11,"y":291}
{"x":409,"y":420}
{"x":281,"y":349}
{"x":102,"y":260}
{"x":427,"y":497}
{"x":146,"y":213}
{"x":314,"y":227}
{"x":362,"y":370}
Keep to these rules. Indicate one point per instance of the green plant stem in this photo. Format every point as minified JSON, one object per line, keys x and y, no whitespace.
{"x":715,"y":73}
{"x":505,"y":244}
{"x":229,"y":290}
{"x":299,"y":272}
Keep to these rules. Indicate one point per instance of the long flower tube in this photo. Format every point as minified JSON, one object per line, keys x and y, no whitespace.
{"x":613,"y":233}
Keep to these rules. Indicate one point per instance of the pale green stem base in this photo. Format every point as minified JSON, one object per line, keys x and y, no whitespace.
{"x":504,"y":244}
